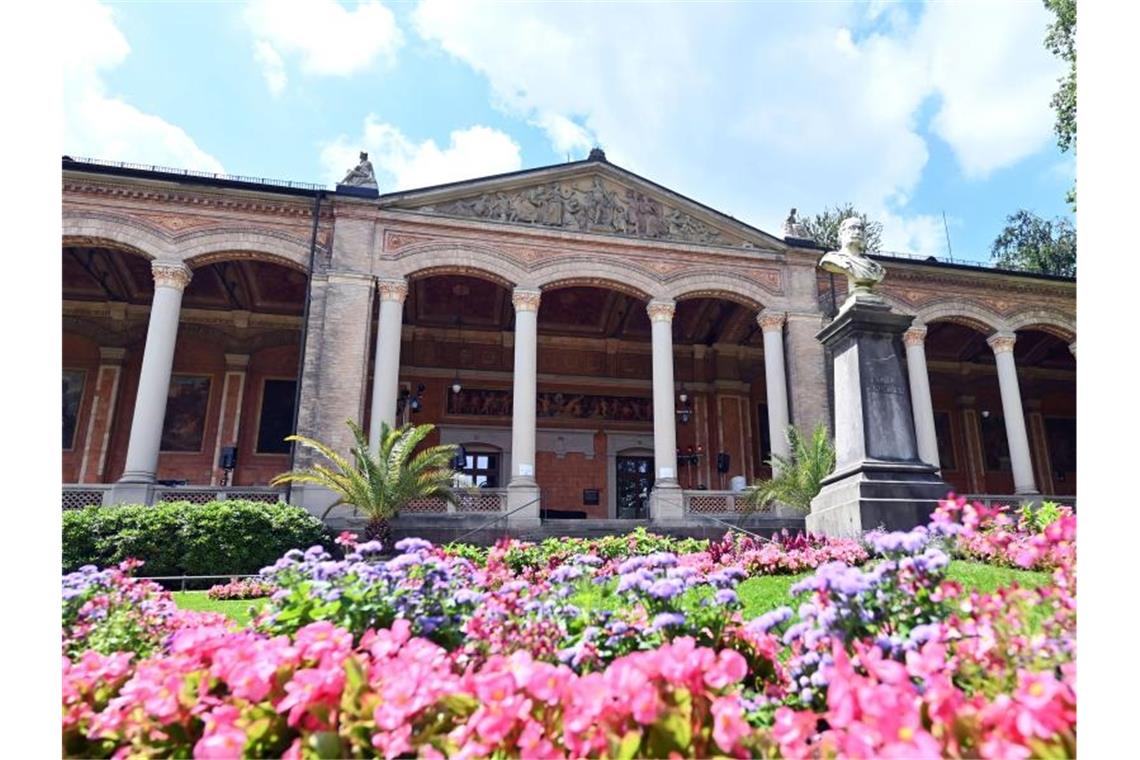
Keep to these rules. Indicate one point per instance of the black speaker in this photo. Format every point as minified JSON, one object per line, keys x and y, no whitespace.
{"x":460,"y":458}
{"x":722,"y":462}
{"x":228,"y":458}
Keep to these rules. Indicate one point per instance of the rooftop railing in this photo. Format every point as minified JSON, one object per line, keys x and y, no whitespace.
{"x":292,"y":184}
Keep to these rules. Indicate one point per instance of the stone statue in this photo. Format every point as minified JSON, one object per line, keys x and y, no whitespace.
{"x":793,"y":227}
{"x":862,"y":273}
{"x":362,"y":175}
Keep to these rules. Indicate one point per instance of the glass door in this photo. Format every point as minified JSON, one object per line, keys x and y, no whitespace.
{"x":634,"y":482}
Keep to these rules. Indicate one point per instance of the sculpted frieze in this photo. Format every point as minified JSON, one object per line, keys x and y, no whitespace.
{"x":588,"y":205}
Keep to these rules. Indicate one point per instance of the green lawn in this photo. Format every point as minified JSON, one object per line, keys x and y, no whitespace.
{"x":759,"y":593}
{"x":237,"y":609}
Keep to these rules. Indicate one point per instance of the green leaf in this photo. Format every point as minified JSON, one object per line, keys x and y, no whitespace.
{"x":630,"y":743}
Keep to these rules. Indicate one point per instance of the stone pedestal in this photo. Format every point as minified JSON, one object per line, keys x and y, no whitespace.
{"x":879,"y":479}
{"x":525,"y":496}
{"x":667,"y":504}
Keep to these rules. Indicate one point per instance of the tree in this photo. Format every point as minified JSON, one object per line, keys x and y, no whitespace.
{"x":824,"y":228}
{"x":1061,"y":41}
{"x":380,"y":484}
{"x":1032,"y":244}
{"x":797,"y":478}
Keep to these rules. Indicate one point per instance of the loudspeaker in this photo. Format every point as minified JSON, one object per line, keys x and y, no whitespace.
{"x":460,"y":458}
{"x":228,"y":458}
{"x":722,"y":462}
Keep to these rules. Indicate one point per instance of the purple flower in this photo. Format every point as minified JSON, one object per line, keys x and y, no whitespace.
{"x":667,"y":588}
{"x":370,"y":547}
{"x":668,"y":619}
{"x":769,"y":620}
{"x":408,"y":545}
{"x":726,"y":596}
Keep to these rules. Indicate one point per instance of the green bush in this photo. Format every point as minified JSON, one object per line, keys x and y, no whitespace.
{"x":180,"y":538}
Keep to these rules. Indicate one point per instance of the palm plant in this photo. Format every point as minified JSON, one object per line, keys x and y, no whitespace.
{"x":378,"y":484}
{"x":796,"y":479}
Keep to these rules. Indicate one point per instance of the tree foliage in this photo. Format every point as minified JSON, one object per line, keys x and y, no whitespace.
{"x":1061,"y":41}
{"x":824,"y":228}
{"x":798,"y":478}
{"x":1032,"y":244}
{"x":378,"y":484}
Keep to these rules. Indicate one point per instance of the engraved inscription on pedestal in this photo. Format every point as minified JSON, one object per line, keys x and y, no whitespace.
{"x":886,"y":400}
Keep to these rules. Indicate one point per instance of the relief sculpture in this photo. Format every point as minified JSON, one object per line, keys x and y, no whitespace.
{"x":588,"y":205}
{"x":486,"y":402}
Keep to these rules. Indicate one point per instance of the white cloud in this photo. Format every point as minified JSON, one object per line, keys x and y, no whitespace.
{"x":272,"y":67}
{"x":329,"y":39}
{"x":97,"y":125}
{"x":403,"y":164}
{"x":757,"y":108}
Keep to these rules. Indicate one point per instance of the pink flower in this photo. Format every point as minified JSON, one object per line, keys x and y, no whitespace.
{"x":645,"y":704}
{"x":730,"y":667}
{"x":792,"y":730}
{"x":221,"y":737}
{"x":393,"y":743}
{"x":548,"y":683}
{"x":729,"y":726}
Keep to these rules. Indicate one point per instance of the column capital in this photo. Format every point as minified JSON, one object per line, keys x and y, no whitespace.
{"x":661,"y":311}
{"x":111,"y":355}
{"x":392,"y":289}
{"x":169,"y":274}
{"x":237,"y":362}
{"x":770,"y":321}
{"x":915,"y":335}
{"x":526,"y":299}
{"x":1001,"y":342}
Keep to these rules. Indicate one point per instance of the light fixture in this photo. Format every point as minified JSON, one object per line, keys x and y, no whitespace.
{"x":986,"y":414}
{"x":684,"y":395}
{"x":456,"y":386}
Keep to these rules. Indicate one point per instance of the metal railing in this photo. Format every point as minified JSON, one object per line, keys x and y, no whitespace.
{"x":923,"y":257}
{"x":195,"y":173}
{"x":496,"y":518}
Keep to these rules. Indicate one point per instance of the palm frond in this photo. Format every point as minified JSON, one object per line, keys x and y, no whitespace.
{"x":797,"y":478}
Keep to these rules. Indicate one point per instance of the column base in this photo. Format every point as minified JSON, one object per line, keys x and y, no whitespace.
{"x":525,"y":497}
{"x":666,"y":502}
{"x":130,"y":492}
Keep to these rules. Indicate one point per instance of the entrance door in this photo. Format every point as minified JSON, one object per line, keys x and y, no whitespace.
{"x":634,"y":482}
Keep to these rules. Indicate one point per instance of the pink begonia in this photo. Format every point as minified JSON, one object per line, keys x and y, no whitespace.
{"x":222,"y":738}
{"x":311,"y":688}
{"x":730,"y":667}
{"x":729,"y":726}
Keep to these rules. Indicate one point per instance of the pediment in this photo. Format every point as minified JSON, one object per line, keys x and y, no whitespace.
{"x":586,"y":196}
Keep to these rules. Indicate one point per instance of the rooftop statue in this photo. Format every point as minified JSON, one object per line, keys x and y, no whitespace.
{"x":862,"y":273}
{"x":362,"y":175}
{"x":793,"y":227}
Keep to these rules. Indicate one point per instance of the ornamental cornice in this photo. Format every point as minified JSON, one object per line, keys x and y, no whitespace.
{"x":392,"y":289}
{"x":234,"y":200}
{"x":170,"y":274}
{"x":915,"y":336}
{"x":526,"y":299}
{"x":983,"y":281}
{"x":771,"y":321}
{"x":1002,"y":342}
{"x":661,"y":311}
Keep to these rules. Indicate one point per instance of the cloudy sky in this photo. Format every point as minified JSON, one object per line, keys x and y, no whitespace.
{"x":907,"y":110}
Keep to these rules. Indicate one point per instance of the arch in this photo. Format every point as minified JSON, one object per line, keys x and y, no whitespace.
{"x":586,"y":271}
{"x":713,"y":284}
{"x":451,"y":258}
{"x":970,"y":315}
{"x":117,"y":232}
{"x":1055,"y":323}
{"x":199,"y":248}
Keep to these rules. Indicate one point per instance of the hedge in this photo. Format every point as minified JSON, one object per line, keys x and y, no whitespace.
{"x":180,"y":538}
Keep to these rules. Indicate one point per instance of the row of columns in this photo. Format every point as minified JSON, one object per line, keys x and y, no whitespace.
{"x":525,"y":381}
{"x":1002,"y":344}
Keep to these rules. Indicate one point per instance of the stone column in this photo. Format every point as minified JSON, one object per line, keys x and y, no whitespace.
{"x":1002,"y":345}
{"x":666,"y":502}
{"x":229,"y":415}
{"x":523,"y":487}
{"x":170,"y":280}
{"x":927,"y":438}
{"x":772,"y":326}
{"x":92,"y":468}
{"x":386,"y":371}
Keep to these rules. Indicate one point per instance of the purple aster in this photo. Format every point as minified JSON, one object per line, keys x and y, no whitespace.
{"x":370,"y":547}
{"x":726,"y":596}
{"x":407,"y":545}
{"x":667,"y":619}
{"x":769,"y":620}
{"x":667,"y":588}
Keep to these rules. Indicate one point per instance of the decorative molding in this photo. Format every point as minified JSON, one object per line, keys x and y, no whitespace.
{"x":1002,"y":342}
{"x":526,"y":300}
{"x":170,"y":275}
{"x":661,"y":311}
{"x":233,"y":200}
{"x":771,"y":321}
{"x":915,"y":336}
{"x":392,"y":290}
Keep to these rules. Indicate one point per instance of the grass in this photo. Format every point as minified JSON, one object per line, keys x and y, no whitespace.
{"x":237,"y":610}
{"x":759,"y":593}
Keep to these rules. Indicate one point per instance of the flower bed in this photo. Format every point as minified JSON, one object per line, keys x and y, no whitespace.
{"x":639,"y":654}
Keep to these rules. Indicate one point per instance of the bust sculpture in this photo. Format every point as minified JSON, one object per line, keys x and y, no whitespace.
{"x":862,"y":273}
{"x":362,"y":175}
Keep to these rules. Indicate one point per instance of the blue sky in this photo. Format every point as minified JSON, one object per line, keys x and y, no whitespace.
{"x":908,"y":110}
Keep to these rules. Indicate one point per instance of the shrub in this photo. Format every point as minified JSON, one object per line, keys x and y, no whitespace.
{"x":180,"y":538}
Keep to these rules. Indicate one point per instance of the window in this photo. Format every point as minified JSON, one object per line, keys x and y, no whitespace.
{"x":945,"y":441}
{"x":185,"y":423}
{"x":996,"y":444}
{"x":276,"y":422}
{"x":72,"y":395}
{"x":483,"y":468}
{"x":765,"y":436}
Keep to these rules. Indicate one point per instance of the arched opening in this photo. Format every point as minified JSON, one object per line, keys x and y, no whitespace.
{"x":719,"y":368}
{"x":234,"y":370}
{"x":1047,"y":373}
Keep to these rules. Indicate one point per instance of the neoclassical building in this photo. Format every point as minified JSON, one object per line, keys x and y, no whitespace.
{"x":598,"y":344}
